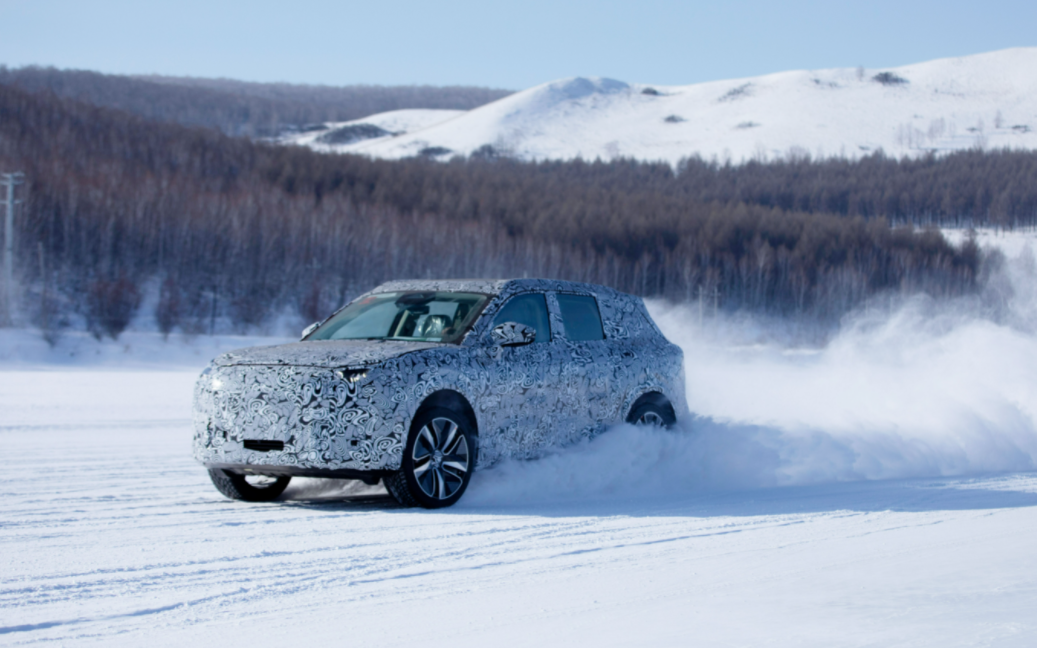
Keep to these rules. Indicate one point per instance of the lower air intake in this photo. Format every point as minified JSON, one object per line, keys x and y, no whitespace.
{"x":263,"y":446}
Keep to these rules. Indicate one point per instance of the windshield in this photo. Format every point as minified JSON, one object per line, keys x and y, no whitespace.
{"x":415,"y":316}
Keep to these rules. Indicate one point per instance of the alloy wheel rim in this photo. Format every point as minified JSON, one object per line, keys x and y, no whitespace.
{"x":651,"y":418}
{"x":440,"y":458}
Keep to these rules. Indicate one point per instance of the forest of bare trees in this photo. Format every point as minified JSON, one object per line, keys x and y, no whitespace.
{"x":238,"y":107}
{"x":230,"y":232}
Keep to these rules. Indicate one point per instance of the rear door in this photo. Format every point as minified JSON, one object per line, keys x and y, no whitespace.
{"x":585,"y":367}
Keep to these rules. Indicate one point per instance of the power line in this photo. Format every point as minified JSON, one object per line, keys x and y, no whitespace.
{"x":11,"y":180}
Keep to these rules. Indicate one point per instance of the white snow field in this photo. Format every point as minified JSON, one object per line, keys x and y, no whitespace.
{"x":985,"y":100}
{"x":876,"y":490}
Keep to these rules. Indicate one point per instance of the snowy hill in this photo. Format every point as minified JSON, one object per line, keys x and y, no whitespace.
{"x":986,"y":100}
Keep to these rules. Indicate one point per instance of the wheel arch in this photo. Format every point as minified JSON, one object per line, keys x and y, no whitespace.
{"x":450,"y":399}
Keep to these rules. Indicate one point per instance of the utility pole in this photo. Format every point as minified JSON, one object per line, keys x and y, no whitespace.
{"x":11,"y":180}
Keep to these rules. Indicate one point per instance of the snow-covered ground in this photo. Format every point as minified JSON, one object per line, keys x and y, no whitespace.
{"x":877,"y":490}
{"x":986,"y":100}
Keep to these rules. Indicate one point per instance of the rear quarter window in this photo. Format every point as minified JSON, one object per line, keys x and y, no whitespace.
{"x":581,"y":317}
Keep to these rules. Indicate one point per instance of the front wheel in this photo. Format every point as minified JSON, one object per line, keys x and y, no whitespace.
{"x":437,"y":461}
{"x":250,"y":488}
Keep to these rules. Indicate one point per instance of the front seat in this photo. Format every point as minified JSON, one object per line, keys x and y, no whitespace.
{"x":433,"y":326}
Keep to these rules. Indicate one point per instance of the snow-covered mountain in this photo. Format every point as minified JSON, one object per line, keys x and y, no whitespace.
{"x":986,"y":100}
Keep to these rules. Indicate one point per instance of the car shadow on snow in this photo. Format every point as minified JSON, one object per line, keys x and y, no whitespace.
{"x":709,"y":468}
{"x":1016,"y":490}
{"x":705,"y":467}
{"x":338,"y":494}
{"x":902,"y":495}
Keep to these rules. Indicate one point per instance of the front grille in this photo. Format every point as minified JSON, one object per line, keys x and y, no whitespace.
{"x":263,"y":446}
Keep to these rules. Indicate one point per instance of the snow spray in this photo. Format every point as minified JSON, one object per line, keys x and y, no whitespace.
{"x":918,"y":388}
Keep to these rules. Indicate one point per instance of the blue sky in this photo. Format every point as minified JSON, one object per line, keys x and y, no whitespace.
{"x":508,"y":45}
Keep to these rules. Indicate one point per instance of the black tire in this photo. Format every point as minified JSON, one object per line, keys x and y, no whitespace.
{"x":429,"y":480}
{"x":236,"y":486}
{"x":655,"y":412}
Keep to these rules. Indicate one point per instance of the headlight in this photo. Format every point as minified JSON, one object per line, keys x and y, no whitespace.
{"x":351,"y":375}
{"x":207,"y":374}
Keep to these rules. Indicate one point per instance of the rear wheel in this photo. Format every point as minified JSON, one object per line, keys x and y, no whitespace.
{"x":251,"y":488}
{"x":437,"y":461}
{"x":654,"y":412}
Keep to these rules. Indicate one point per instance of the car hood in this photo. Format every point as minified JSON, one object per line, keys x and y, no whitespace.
{"x":323,"y":353}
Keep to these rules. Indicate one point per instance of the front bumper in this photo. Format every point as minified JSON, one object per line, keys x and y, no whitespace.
{"x":294,"y":420}
{"x":367,"y":476}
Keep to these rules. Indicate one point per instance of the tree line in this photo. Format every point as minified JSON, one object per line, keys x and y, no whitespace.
{"x":232,"y":232}
{"x":966,"y":188}
{"x":238,"y":107}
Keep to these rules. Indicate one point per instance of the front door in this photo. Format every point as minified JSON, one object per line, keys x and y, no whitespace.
{"x":526,"y":382}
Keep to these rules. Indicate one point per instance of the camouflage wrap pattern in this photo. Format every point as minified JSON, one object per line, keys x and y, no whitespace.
{"x":348,"y":404}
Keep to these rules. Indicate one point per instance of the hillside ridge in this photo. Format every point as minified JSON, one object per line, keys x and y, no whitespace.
{"x":983,"y":101}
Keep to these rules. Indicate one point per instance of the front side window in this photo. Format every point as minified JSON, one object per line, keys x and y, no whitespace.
{"x":581,"y":317}
{"x":413,"y":316}
{"x":529,"y":309}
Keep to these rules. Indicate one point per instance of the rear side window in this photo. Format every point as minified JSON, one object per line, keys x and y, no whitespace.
{"x":529,"y":309}
{"x":581,"y":317}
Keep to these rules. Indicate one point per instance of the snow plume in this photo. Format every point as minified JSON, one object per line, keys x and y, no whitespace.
{"x":923,"y":388}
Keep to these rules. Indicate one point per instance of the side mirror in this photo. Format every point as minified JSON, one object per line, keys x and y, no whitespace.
{"x":513,"y":334}
{"x":309,"y":329}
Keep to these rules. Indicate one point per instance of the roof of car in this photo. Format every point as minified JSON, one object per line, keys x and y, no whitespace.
{"x":490,"y":286}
